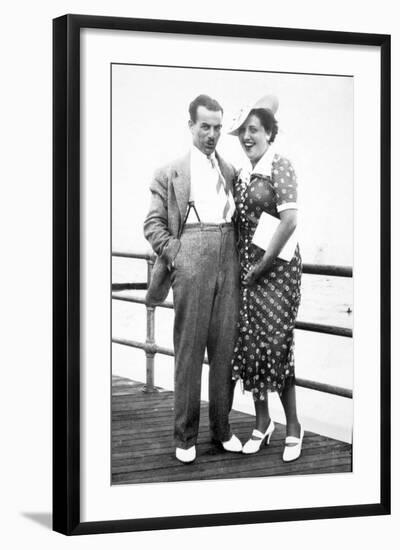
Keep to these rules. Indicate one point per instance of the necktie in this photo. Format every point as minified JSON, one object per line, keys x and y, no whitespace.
{"x":221,"y":187}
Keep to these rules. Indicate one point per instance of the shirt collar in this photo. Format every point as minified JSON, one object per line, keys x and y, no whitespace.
{"x":263,"y":166}
{"x":199,"y":157}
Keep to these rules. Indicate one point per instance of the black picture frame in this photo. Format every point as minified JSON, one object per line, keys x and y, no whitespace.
{"x":66,"y":273}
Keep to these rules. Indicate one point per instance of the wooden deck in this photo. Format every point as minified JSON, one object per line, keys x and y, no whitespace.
{"x":143,"y":450}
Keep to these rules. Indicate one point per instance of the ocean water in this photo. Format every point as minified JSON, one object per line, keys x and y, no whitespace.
{"x":321,"y":357}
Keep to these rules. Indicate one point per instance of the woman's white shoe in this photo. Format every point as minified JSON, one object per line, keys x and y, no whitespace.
{"x":293,"y":447}
{"x":253,"y":445}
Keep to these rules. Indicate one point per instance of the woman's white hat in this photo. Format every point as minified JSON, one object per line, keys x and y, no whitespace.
{"x":269,"y":102}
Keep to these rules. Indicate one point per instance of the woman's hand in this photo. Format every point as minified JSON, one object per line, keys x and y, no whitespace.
{"x":255,"y":272}
{"x":251,"y":276}
{"x":279,"y":239}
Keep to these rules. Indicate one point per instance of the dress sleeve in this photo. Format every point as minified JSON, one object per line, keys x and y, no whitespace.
{"x":285,"y":184}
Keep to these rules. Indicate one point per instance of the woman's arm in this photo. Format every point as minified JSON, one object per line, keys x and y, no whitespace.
{"x":279,"y":239}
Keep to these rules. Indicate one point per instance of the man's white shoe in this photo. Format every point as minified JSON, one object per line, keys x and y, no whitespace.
{"x":233,"y":445}
{"x":186,"y":455}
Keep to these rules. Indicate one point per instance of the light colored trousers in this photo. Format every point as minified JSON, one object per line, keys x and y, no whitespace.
{"x":205,"y":283}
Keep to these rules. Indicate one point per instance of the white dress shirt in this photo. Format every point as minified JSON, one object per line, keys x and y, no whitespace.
{"x":210,"y":203}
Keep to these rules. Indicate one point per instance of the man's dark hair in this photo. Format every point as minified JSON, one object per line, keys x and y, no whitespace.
{"x":204,"y":101}
{"x":268,"y":121}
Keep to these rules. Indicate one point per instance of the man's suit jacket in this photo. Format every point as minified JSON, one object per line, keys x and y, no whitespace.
{"x":170,"y":193}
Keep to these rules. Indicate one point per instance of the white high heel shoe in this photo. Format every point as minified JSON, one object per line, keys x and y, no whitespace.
{"x":253,"y":445}
{"x":293,"y":447}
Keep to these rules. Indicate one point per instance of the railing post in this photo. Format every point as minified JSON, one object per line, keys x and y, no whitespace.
{"x":150,"y":341}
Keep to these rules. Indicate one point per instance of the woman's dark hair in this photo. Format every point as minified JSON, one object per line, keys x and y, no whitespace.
{"x":268,"y":121}
{"x":204,"y":101}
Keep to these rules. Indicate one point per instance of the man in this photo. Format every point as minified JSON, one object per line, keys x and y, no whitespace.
{"x":200,"y":260}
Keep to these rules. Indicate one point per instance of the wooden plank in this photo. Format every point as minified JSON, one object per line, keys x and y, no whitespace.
{"x":244,"y":464}
{"x":160,"y":411}
{"x":132,"y":408}
{"x":157,"y":457}
{"x":136,"y":391}
{"x":220,"y":460}
{"x":143,"y":450}
{"x":134,"y":432}
{"x":145,"y":402}
{"x":164,"y":446}
{"x":126,"y":479}
{"x":211,"y":453}
{"x":160,"y":417}
{"x":186,"y":472}
{"x":139,"y":391}
{"x":166,"y":438}
{"x":130,"y":440}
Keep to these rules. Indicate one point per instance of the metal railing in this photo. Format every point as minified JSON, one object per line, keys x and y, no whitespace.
{"x":151,"y":348}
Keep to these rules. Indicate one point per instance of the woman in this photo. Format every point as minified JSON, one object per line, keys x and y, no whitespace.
{"x":270,"y":286}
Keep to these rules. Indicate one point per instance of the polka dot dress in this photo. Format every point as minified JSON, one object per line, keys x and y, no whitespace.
{"x":264,"y":351}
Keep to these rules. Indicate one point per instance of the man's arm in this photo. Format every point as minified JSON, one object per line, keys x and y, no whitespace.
{"x":156,"y":223}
